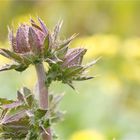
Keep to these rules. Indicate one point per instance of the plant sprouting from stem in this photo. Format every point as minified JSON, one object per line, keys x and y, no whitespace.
{"x":29,"y":118}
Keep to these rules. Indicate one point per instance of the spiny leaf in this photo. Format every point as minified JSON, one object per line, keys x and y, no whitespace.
{"x":11,"y":55}
{"x":4,"y":101}
{"x":66,"y":42}
{"x":12,"y":105}
{"x":26,"y":91}
{"x":70,"y":84}
{"x":46,"y":45}
{"x":8,"y":118}
{"x":32,"y":135}
{"x":72,"y":71}
{"x":91,"y":63}
{"x":30,"y":58}
{"x":20,"y":96}
{"x":3,"y":113}
{"x":50,"y":61}
{"x":81,"y":78}
{"x":57,"y":29}
{"x":62,"y":52}
{"x":51,"y":43}
{"x":35,"y":25}
{"x":43,"y":26}
{"x":15,"y":130}
{"x":56,"y":59}
{"x":8,"y":67}
{"x":39,"y":113}
{"x":21,"y":67}
{"x":30,"y":100}
{"x":26,"y":96}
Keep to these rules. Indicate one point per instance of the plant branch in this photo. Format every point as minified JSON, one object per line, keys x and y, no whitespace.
{"x":42,"y":94}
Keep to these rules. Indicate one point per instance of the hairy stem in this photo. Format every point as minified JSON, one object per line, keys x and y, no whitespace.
{"x":43,"y":93}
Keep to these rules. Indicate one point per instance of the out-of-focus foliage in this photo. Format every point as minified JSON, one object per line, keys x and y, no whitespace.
{"x":110,"y":104}
{"x":87,"y":135}
{"x":80,"y":16}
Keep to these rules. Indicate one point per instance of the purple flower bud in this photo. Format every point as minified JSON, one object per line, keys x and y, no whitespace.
{"x":40,"y":35}
{"x":74,"y":57}
{"x":22,"y":39}
{"x":28,"y":38}
{"x":34,"y":41}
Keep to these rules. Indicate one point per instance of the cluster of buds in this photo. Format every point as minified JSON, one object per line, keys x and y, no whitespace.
{"x":27,"y":47}
{"x":35,"y":44}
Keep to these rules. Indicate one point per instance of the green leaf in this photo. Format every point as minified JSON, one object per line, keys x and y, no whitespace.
{"x":46,"y":45}
{"x":62,"y":52}
{"x":23,"y":60}
{"x":20,"y":96}
{"x":39,"y":113}
{"x":30,"y":58}
{"x":21,"y":68}
{"x":72,"y":71}
{"x":16,"y":66}
{"x":26,"y":91}
{"x":30,"y":100}
{"x":3,"y":113}
{"x":82,"y":78}
{"x":26,"y":96}
{"x":4,"y":101}
{"x":11,"y":55}
{"x":70,"y":84}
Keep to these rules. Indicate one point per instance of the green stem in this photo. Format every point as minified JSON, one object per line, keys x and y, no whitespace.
{"x":43,"y":93}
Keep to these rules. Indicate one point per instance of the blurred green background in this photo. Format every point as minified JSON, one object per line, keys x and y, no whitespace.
{"x":108,"y":107}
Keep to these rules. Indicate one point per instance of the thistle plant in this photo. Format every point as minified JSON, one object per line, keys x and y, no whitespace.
{"x":31,"y":117}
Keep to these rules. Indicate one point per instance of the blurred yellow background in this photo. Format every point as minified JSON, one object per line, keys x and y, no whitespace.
{"x":108,"y":106}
